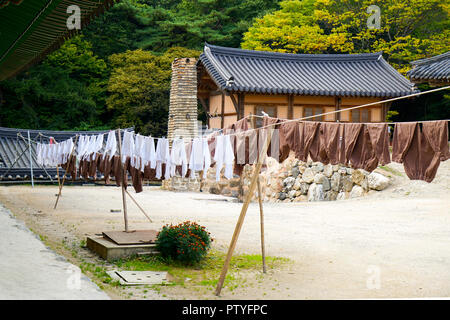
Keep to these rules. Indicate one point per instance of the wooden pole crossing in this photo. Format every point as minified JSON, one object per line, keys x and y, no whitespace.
{"x":250,"y":193}
{"x":65,"y":173}
{"x":124,"y":180}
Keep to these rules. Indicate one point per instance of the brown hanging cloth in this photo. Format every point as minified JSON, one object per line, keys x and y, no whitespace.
{"x":272,"y":150}
{"x":311,"y":140}
{"x":379,"y":135}
{"x":93,"y":165}
{"x":72,"y":167}
{"x":331,"y":147}
{"x":239,"y":139}
{"x":136,"y":176}
{"x":358,"y":147}
{"x":289,"y":140}
{"x":421,"y":151}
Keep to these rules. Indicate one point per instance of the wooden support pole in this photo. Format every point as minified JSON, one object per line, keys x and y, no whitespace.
{"x":251,"y":191}
{"x":222,"y":112}
{"x":57,"y":174}
{"x":31,"y":160}
{"x":261,"y":215}
{"x":65,"y":173}
{"x":140,"y":208}
{"x":124,"y":180}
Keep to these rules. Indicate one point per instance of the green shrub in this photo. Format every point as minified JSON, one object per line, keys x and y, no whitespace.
{"x":187,"y":242}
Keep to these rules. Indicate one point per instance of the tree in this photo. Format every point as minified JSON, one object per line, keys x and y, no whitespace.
{"x":139,"y":89}
{"x":410,"y":30}
{"x":65,"y":91}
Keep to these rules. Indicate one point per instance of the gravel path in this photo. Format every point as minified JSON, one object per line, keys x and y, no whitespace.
{"x":390,"y":244}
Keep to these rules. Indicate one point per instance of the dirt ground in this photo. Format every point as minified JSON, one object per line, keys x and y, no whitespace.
{"x":389,"y":244}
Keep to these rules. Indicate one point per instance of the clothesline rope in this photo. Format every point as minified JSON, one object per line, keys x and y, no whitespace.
{"x":346,"y":109}
{"x":40,"y":134}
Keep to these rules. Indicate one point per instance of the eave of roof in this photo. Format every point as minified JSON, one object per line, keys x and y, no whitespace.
{"x":434,"y":69}
{"x":33,"y":29}
{"x":365,"y":75}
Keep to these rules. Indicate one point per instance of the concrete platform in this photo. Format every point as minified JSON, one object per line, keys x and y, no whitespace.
{"x":109,"y":250}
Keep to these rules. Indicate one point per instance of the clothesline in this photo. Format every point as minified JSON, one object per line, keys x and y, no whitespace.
{"x":298,"y":119}
{"x":393,"y":122}
{"x":346,"y":109}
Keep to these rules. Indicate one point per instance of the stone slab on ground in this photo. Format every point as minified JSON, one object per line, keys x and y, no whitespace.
{"x":131,"y":278}
{"x":110,"y":251}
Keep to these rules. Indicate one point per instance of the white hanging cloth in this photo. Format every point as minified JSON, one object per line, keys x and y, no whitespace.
{"x":149,"y":156}
{"x":127,"y":145}
{"x":224,"y":156}
{"x":136,"y":159}
{"x":111,"y":145}
{"x":162,"y":156}
{"x":178,"y":157}
{"x":200,"y":159}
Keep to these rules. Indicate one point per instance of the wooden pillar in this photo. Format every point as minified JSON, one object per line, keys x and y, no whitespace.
{"x":337,"y":106}
{"x":290,"y":106}
{"x":241,"y":106}
{"x":222,"y":113}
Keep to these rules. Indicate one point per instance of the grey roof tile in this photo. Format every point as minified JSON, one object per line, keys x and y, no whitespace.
{"x":435,"y":68}
{"x":358,"y":75}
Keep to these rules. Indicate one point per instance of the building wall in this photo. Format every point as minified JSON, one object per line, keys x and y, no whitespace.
{"x":280,"y":102}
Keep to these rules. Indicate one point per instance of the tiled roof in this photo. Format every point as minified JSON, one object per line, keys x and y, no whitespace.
{"x":436,"y":69}
{"x":34,"y":28}
{"x":13,"y":151}
{"x":358,"y":75}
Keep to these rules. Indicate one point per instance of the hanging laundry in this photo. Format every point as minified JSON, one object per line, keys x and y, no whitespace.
{"x":128,"y":145}
{"x":136,"y":158}
{"x":420,"y":151}
{"x":224,"y":156}
{"x":162,"y":159}
{"x":308,"y":131}
{"x":178,"y":157}
{"x":105,"y":165}
{"x":149,"y":155}
{"x":200,"y":157}
{"x":111,"y":145}
{"x":379,"y":135}
{"x":332,"y":144}
{"x":135,"y":173}
{"x":358,"y":147}
{"x":289,"y":140}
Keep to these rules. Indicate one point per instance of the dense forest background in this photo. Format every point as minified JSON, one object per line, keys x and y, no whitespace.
{"x":116,"y":72}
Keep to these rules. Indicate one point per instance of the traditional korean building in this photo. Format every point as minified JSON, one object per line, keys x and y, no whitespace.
{"x":434,"y":70}
{"x":233,"y":83}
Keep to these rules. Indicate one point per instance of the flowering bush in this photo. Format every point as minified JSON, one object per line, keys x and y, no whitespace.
{"x":187,"y":242}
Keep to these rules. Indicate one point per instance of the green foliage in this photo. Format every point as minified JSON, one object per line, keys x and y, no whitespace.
{"x":187,"y":242}
{"x":61,"y":93}
{"x":432,"y":106}
{"x":139,"y":89}
{"x":118,"y":72}
{"x":390,"y":114}
{"x":410,"y":30}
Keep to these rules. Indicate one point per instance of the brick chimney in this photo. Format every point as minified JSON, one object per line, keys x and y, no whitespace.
{"x":183,"y":114}
{"x":183,"y":99}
